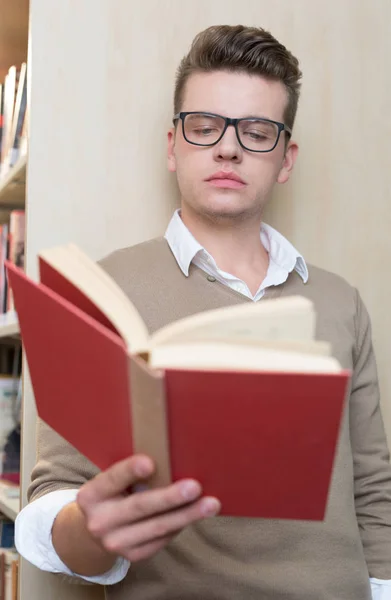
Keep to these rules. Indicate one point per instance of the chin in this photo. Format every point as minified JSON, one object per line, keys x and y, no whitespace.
{"x":218,"y":212}
{"x":224,"y":206}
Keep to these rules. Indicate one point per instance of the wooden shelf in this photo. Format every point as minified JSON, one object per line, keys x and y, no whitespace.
{"x":13,"y":186}
{"x":9,"y":500}
{"x":14,"y":23}
{"x":9,"y":325}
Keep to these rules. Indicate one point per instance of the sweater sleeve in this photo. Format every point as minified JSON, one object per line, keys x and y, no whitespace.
{"x":372,"y":470}
{"x":59,"y":465}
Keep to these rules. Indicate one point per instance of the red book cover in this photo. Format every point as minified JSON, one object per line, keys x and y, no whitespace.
{"x":263,"y":443}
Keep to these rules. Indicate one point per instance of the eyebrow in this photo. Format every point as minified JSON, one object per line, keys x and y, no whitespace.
{"x":255,"y":117}
{"x":251,"y":116}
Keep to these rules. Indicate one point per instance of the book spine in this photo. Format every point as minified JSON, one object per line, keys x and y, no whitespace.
{"x":148,"y":405}
{"x":16,"y":246}
{"x":18,"y":116}
{"x":9,"y":103}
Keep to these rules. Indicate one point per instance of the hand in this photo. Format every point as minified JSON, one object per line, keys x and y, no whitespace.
{"x":136,"y":526}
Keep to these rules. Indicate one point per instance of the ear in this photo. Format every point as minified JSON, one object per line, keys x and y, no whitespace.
{"x":171,"y":161}
{"x":290,"y":158}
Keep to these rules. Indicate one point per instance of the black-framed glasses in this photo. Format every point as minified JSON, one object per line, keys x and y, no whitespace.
{"x":253,"y":134}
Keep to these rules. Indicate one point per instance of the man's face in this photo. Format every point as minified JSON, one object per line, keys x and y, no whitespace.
{"x":230,"y":95}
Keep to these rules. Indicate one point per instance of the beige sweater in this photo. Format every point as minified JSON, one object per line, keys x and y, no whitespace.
{"x":236,"y":559}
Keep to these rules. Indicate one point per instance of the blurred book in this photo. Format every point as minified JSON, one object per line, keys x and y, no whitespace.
{"x":13,"y":103}
{"x":15,"y":247}
{"x":7,"y":532}
{"x":4,"y":239}
{"x":18,"y":119}
{"x":10,"y":86}
{"x":11,"y":460}
{"x":12,"y":240}
{"x":9,"y":427}
{"x":9,"y":566}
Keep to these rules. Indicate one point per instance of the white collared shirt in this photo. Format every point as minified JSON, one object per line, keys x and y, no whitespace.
{"x":34,"y":523}
{"x":283,"y":257}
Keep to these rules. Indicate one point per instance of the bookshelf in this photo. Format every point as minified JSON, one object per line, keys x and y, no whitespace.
{"x":9,"y":506}
{"x":14,"y":26}
{"x":13,"y":186}
{"x":9,"y":326}
{"x":9,"y":500}
{"x":15,"y":48}
{"x":12,"y":196}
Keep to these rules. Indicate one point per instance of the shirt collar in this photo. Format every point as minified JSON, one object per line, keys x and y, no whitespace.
{"x":185,"y":247}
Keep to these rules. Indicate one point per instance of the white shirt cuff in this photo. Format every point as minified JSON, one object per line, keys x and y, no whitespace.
{"x":381,"y":589}
{"x":33,"y":538}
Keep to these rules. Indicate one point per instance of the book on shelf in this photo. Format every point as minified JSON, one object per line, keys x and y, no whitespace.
{"x":12,"y":247}
{"x":7,"y":532}
{"x":9,"y":417}
{"x":10,"y":411}
{"x":9,"y":567}
{"x":242,"y":398}
{"x":18,"y":119}
{"x":13,"y":117}
{"x":16,"y":240}
{"x":10,"y":86}
{"x":16,"y":237}
{"x":10,"y":467}
{"x":9,"y":559}
{"x":4,"y":254}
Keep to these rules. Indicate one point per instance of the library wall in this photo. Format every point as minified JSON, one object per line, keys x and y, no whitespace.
{"x":101,"y":102}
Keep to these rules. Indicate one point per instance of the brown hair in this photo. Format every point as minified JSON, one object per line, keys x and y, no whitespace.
{"x":242,"y":49}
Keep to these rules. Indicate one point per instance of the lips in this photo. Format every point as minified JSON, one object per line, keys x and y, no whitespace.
{"x":226,"y":175}
{"x":226,"y":179}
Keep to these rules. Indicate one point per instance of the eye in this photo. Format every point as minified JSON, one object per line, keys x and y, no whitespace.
{"x":200,"y":126}
{"x":255,"y":135}
{"x":259,"y":132}
{"x":204,"y":131}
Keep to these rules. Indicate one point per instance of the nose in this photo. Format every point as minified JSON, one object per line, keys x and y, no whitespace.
{"x":228,"y":148}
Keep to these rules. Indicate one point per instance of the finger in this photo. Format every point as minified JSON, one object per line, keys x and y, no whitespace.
{"x":146,"y":550}
{"x":134,"y":554}
{"x":119,"y":512}
{"x":161,"y":526}
{"x":115,"y":480}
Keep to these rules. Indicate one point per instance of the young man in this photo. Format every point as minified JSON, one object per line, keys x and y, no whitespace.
{"x":235,"y":102}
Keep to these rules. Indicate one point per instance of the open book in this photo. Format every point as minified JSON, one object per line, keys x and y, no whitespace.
{"x":272,"y":334}
{"x":242,"y":398}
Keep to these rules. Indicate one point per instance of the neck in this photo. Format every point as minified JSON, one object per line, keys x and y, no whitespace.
{"x":235,"y":245}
